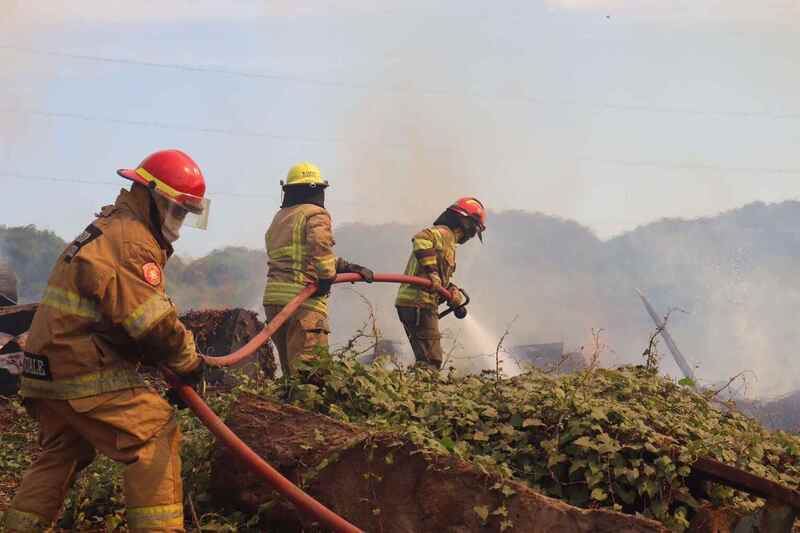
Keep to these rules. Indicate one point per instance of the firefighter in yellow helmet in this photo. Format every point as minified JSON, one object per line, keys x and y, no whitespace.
{"x":105,"y":311}
{"x":299,"y":253}
{"x":434,"y":256}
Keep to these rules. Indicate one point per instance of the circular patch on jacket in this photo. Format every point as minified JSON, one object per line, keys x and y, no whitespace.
{"x":152,"y":274}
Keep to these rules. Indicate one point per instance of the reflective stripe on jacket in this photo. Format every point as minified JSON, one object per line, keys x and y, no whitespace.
{"x":433,"y":255}
{"x":299,"y":252}
{"x":105,"y":310}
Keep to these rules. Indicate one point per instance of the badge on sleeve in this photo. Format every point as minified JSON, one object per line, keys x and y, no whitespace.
{"x":152,"y":274}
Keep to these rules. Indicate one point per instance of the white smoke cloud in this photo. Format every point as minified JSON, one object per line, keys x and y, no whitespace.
{"x":687,"y":10}
{"x":182,"y":11}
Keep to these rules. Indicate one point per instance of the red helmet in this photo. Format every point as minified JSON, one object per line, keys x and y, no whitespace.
{"x":471,"y":208}
{"x":175,"y":176}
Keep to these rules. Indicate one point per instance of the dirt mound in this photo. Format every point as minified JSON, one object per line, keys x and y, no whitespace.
{"x":221,"y":331}
{"x":382,"y":482}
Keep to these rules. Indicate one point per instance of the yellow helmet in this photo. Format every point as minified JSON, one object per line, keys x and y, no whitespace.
{"x":304,"y":174}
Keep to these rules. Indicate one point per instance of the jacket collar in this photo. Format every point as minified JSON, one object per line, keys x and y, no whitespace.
{"x":139,"y":203}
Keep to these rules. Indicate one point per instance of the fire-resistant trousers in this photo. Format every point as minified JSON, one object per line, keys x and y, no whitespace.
{"x":135,"y":427}
{"x":303,"y":335}
{"x":422,"y":328}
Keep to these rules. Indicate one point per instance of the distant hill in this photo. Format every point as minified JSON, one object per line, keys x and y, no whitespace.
{"x":735,"y":274}
{"x":31,"y":254}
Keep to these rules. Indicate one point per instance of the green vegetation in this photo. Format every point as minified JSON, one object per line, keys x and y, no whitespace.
{"x":621,"y":439}
{"x":96,"y":503}
{"x":31,"y":253}
{"x":230,"y":277}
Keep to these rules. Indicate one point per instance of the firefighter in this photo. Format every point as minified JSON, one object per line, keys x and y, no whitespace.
{"x":299,"y":253}
{"x":105,"y":311}
{"x":434,"y":257}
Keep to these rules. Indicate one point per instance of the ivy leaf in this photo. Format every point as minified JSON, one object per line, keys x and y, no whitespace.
{"x":490,"y":412}
{"x":507,"y":491}
{"x":482,"y":511}
{"x":500,"y":511}
{"x":532,"y":422}
{"x":447,"y":443}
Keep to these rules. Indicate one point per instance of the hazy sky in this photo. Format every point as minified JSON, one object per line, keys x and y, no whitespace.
{"x":613,"y":113}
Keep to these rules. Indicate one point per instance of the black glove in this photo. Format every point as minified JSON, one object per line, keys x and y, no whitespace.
{"x":365,"y":273}
{"x":323,"y":287}
{"x":456,"y":298}
{"x":344,"y":266}
{"x":460,"y":312}
{"x":194,"y":379}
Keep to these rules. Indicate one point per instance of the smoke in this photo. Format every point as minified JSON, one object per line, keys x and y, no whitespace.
{"x":734,"y":275}
{"x":417,"y":160}
{"x":740,"y":11}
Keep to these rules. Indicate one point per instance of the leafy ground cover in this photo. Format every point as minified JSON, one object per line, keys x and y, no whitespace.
{"x":622,"y":439}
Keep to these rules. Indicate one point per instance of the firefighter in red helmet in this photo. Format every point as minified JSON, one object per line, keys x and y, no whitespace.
{"x":104,"y":311}
{"x":434,"y":256}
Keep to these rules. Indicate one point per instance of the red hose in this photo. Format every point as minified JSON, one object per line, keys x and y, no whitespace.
{"x":277,"y":481}
{"x":269,"y":330}
{"x":229,"y":438}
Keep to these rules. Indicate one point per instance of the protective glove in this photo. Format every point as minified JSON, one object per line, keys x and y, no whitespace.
{"x":323,"y":287}
{"x":344,"y":266}
{"x":365,"y":273}
{"x":456,"y":298}
{"x":193,"y":378}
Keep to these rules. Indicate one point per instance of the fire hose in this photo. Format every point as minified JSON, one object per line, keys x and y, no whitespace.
{"x":217,"y":427}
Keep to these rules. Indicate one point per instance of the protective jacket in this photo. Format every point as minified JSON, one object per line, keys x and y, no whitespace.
{"x":105,"y":309}
{"x":433,"y":256}
{"x":299,"y":252}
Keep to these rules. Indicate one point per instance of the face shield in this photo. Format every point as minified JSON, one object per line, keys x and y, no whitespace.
{"x":183,"y":210}
{"x":196,"y":211}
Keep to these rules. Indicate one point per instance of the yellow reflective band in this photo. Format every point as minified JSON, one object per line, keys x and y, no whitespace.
{"x":422,"y":244}
{"x":437,"y":233}
{"x":281,"y":293}
{"x":111,"y":379}
{"x":147,"y":315}
{"x":163,"y":187}
{"x":70,"y":303}
{"x":157,"y":516}
{"x":412,"y":267}
{"x":408,"y":291}
{"x":283,"y":288}
{"x":427,"y":261}
{"x":410,"y":296}
{"x":316,"y":304}
{"x":325,"y":265}
{"x":298,"y":250}
{"x":24,"y":522}
{"x":283,"y":251}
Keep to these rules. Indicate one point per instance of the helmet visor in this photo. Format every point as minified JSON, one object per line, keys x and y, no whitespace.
{"x":186,"y":210}
{"x":197,"y":214}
